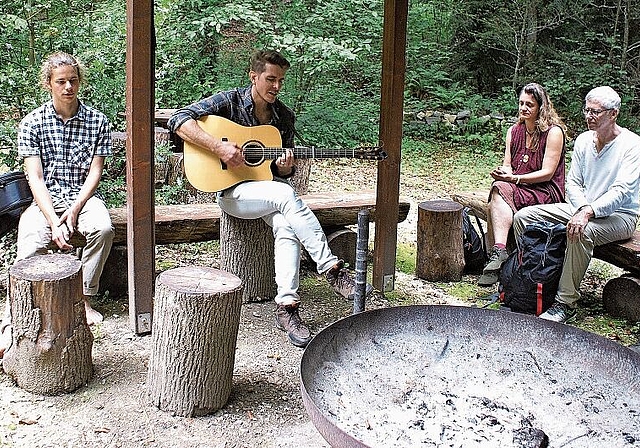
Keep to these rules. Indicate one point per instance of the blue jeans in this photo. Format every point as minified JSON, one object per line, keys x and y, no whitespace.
{"x":294,"y":226}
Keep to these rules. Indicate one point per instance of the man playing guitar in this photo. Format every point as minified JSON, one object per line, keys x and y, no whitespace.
{"x":294,"y":224}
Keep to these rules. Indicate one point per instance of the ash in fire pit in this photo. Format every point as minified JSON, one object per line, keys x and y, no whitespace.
{"x":433,"y":376}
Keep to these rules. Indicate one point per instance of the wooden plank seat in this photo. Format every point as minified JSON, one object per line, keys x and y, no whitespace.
{"x":621,"y":296}
{"x":201,"y":222}
{"x":623,"y":254}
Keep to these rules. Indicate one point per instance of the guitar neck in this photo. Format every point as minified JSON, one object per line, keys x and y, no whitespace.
{"x":302,"y":152}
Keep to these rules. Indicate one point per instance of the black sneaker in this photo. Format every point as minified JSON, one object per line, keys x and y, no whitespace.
{"x":288,"y":319}
{"x":559,"y":312}
{"x":343,"y":282}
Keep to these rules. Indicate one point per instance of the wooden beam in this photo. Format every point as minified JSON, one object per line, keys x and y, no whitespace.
{"x":140,"y":158}
{"x":391,"y":105}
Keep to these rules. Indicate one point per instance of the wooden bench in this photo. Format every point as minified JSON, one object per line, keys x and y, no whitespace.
{"x":624,"y":254}
{"x":201,"y":222}
{"x":620,"y":295}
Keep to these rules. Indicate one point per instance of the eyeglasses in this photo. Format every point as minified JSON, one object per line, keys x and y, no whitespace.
{"x":593,"y":112}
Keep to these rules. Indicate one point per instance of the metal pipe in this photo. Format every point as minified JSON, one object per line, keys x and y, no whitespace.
{"x":362,"y":250}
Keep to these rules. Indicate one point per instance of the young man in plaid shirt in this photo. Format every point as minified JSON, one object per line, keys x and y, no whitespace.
{"x":64,"y":144}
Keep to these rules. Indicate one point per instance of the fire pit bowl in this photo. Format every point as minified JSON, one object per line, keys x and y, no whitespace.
{"x":448,"y":376}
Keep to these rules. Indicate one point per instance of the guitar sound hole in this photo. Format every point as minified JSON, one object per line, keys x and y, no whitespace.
{"x":253,"y":153}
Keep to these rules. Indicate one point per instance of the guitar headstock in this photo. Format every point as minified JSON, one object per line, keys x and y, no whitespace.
{"x":370,"y":153}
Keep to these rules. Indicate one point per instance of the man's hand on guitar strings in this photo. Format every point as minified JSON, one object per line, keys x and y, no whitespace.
{"x":230,"y":153}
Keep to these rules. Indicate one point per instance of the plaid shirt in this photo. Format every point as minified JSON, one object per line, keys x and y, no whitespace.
{"x":65,"y":149}
{"x":237,"y":106}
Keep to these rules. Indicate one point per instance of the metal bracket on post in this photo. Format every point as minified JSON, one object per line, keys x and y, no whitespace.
{"x":144,"y":323}
{"x":388,"y":282}
{"x":362,"y":250}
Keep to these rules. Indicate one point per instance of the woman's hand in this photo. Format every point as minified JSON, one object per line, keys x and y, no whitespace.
{"x":503,"y":173}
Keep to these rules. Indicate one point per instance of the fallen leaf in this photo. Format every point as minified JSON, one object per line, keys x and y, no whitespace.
{"x":28,"y":421}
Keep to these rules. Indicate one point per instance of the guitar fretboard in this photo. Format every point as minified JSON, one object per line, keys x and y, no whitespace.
{"x":299,"y":152}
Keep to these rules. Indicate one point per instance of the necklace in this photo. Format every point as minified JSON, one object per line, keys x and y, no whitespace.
{"x":530,"y":133}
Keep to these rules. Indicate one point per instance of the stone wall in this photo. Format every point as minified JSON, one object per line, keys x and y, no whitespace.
{"x":458,"y":120}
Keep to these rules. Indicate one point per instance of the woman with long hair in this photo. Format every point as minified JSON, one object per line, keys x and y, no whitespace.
{"x":532,"y":172}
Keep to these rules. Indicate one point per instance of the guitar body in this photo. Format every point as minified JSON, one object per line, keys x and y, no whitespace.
{"x":206,"y":172}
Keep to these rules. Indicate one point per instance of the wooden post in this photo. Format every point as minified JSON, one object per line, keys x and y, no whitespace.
{"x":140,"y":105}
{"x":247,"y":250}
{"x":440,"y":254}
{"x":195,"y":327}
{"x":394,"y":44}
{"x":51,"y":349}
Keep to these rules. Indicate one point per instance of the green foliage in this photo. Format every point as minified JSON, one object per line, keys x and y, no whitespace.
{"x":460,"y":56}
{"x":113,"y":191}
{"x":348,"y":122}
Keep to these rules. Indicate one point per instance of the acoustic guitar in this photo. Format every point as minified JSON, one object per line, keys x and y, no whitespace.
{"x":260,"y":144}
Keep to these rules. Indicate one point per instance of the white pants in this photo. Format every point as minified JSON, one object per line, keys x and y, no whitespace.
{"x":293,"y":223}
{"x":599,"y":231}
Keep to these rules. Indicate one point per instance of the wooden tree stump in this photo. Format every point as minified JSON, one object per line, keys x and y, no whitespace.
{"x":115,"y":277}
{"x":440,"y":254}
{"x":300,"y":180}
{"x":342,"y":242}
{"x":195,"y":327}
{"x":621,"y":297}
{"x":247,"y":250}
{"x":51,"y":349}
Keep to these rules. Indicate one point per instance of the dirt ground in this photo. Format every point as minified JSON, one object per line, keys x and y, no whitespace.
{"x":265,"y":408}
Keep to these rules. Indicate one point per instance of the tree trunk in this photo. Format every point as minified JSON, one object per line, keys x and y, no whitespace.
{"x":300,"y":180}
{"x":440,"y":255}
{"x":342,"y":242}
{"x":195,"y":327}
{"x":247,"y":250}
{"x":51,"y":349}
{"x":621,"y":297}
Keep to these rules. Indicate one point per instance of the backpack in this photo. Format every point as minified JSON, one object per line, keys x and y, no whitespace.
{"x":15,"y":196}
{"x":475,"y":255}
{"x":530,"y":276}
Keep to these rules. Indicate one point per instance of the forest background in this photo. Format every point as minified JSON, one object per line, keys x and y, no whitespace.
{"x":469,"y":55}
{"x":461,"y":56}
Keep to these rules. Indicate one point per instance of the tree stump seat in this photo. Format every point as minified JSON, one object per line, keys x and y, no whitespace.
{"x":621,"y":296}
{"x":51,"y":347}
{"x":247,"y":250}
{"x":440,"y":255}
{"x":194,"y":332}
